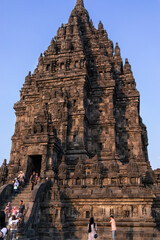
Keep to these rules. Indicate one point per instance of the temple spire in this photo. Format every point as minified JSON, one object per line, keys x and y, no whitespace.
{"x":79,"y":3}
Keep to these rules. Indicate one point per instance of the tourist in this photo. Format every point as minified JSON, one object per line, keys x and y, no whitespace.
{"x":15,"y":186}
{"x":14,"y":211}
{"x":3,"y":229}
{"x":113,"y":227}
{"x":13,"y":227}
{"x":92,"y":229}
{"x":8,"y":210}
{"x":21,"y":178}
{"x":21,"y":209}
{"x":33,"y":180}
{"x":10,"y":219}
{"x":37,"y":178}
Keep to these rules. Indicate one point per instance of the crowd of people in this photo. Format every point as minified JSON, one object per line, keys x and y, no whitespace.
{"x":9,"y":219}
{"x":19,"y":182}
{"x":11,"y":216}
{"x":14,"y":219}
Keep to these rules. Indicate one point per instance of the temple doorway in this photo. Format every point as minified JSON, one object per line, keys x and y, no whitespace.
{"x":34,"y":164}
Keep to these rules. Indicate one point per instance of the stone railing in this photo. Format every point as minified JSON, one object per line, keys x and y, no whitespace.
{"x":31,"y":218}
{"x":5,"y":193}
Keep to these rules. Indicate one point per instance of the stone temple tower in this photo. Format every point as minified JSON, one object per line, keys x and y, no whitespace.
{"x":78,"y":125}
{"x":79,"y":102}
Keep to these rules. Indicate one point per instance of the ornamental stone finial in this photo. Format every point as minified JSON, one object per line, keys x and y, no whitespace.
{"x":117,"y":50}
{"x":100,"y":26}
{"x":127,"y":67}
{"x":80,"y":3}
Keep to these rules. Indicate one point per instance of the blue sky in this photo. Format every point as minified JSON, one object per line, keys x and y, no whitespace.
{"x":27,"y":27}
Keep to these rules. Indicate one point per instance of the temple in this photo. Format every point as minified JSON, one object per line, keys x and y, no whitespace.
{"x":78,"y":125}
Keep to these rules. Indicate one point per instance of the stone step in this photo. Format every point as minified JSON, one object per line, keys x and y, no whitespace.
{"x":18,"y":202}
{"x":24,"y":200}
{"x":23,"y":194}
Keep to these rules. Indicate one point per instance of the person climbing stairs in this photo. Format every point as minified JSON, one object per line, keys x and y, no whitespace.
{"x":23,"y":194}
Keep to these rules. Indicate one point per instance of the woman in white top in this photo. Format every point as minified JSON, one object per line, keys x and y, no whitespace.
{"x":3,"y":229}
{"x":15,"y":186}
{"x":13,"y":227}
{"x":92,"y":229}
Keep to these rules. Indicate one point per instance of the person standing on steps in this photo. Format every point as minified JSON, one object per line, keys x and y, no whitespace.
{"x":21,"y":178}
{"x":33,"y":180}
{"x":3,"y":229}
{"x":15,"y":186}
{"x":13,"y":227}
{"x":14,"y":211}
{"x":37,"y":178}
{"x":113,"y":227}
{"x":21,"y":209}
{"x":8,"y":210}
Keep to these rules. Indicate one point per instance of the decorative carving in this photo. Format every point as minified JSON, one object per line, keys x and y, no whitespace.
{"x":3,"y":172}
{"x":62,"y":170}
{"x":80,"y":168}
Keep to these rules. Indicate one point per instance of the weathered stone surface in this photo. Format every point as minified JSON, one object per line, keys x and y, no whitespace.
{"x":78,"y":124}
{"x":3,"y":172}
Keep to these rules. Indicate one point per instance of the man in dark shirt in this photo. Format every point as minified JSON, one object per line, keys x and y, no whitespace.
{"x":21,"y":209}
{"x":33,"y":180}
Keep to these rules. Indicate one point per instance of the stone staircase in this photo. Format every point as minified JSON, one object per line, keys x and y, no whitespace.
{"x":32,"y":200}
{"x":23,"y":194}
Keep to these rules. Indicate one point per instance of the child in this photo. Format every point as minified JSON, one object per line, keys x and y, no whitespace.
{"x":14,"y":211}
